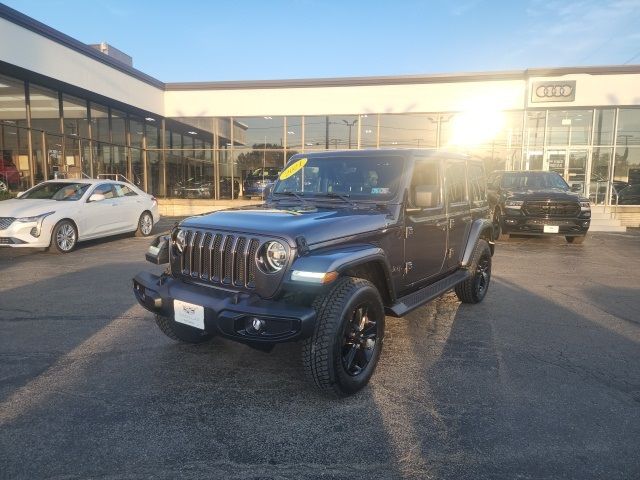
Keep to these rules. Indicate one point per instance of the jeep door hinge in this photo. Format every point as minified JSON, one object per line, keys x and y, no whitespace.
{"x":408,"y":267}
{"x":408,"y":232}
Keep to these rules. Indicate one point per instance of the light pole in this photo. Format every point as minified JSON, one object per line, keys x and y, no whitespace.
{"x":350,"y":125}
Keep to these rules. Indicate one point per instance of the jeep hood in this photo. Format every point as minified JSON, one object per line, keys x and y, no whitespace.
{"x":543,"y":194}
{"x":315,"y":224}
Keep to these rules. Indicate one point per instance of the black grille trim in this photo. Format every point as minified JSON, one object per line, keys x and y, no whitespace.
{"x":220,"y":258}
{"x":551,"y":209}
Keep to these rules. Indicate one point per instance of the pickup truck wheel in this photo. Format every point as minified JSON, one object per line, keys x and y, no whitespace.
{"x":183,"y":333}
{"x":576,"y":240}
{"x":474,"y":288}
{"x":345,"y":347}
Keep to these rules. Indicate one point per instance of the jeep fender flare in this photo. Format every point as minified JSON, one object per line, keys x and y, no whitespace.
{"x":344,"y":259}
{"x":481,"y":228}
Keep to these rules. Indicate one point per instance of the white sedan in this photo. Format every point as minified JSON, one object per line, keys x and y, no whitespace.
{"x":61,"y":213}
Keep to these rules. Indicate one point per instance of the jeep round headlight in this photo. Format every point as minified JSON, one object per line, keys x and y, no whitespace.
{"x":179,"y":240}
{"x":273,"y":256}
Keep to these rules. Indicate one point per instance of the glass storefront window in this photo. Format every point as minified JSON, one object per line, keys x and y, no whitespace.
{"x":259,"y":132}
{"x":74,"y":111}
{"x":13,"y":109}
{"x":255,"y":168}
{"x":534,"y":129}
{"x":45,"y":109}
{"x":14,"y":158}
{"x":331,"y":132}
{"x":136,"y":131}
{"x":628,"y":126}
{"x":626,"y":176}
{"x":408,"y":131}
{"x":100,"y":123}
{"x":294,"y":133}
{"x":137,"y":169}
{"x":603,"y":134}
{"x":368,"y":131}
{"x":154,"y":185}
{"x":569,"y":127}
{"x":600,"y":162}
{"x":118,"y":127}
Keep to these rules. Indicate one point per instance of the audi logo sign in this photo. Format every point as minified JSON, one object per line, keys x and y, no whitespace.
{"x":558,"y":91}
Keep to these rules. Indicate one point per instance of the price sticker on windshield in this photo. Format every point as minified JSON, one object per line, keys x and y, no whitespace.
{"x":293,"y":168}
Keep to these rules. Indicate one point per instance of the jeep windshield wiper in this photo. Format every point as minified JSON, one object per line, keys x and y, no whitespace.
{"x":341,"y":196}
{"x":292,"y":194}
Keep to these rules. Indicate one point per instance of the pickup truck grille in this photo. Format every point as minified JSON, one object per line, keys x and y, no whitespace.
{"x":219,"y":258}
{"x":5,"y":222}
{"x":551,"y":209}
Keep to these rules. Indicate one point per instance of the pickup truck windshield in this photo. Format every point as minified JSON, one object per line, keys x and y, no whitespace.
{"x":519,"y":181}
{"x":366,"y":178}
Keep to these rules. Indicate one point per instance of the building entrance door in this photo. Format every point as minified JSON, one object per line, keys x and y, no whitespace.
{"x":570,"y":164}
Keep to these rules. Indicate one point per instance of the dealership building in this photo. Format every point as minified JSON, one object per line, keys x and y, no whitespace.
{"x":68,"y":109}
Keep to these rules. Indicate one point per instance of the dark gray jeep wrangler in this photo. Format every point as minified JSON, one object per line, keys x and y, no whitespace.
{"x":343,"y":239}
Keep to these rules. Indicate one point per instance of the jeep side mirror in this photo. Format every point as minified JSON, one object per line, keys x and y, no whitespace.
{"x":426,"y":196}
{"x":96,"y":197}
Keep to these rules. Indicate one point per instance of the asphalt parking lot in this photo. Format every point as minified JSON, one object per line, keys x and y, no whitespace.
{"x":541,"y":380}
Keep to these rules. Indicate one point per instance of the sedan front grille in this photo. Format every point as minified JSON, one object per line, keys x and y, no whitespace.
{"x":219,"y":258}
{"x":5,"y":222}
{"x":551,"y":209}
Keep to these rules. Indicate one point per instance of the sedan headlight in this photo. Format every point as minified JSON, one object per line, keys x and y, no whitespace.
{"x":35,"y":218}
{"x":272,"y":257}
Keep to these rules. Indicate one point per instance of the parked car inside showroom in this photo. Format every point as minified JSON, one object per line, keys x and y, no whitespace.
{"x":257,"y":180}
{"x":60,"y":213}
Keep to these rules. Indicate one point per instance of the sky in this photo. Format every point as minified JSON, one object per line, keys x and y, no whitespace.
{"x":221,"y":40}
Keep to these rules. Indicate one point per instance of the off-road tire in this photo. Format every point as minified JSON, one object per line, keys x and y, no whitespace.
{"x":576,"y":240}
{"x":182,"y":333}
{"x":474,"y":288}
{"x":64,"y":229}
{"x":322,"y":353}
{"x":143,"y":225}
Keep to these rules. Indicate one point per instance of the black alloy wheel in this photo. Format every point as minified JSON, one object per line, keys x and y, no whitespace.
{"x":341,"y":355}
{"x":475,"y":287}
{"x":359,"y":341}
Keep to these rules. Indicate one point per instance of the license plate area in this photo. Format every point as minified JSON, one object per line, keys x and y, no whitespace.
{"x":551,"y":229}
{"x":188,"y":314}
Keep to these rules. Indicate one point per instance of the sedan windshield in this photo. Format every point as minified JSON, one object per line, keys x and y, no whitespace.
{"x":533,"y":181}
{"x":61,"y":191}
{"x":367,"y":178}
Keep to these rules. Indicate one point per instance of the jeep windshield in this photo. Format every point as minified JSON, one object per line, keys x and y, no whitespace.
{"x":360,"y":178}
{"x":521,"y":181}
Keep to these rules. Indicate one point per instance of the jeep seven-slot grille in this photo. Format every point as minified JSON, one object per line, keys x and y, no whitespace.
{"x":5,"y":222}
{"x":551,"y":209}
{"x":219,"y":258}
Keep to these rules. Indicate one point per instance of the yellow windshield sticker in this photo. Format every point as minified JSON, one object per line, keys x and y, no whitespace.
{"x":293,"y":168}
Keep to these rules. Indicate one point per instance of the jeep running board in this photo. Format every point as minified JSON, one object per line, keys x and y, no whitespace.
{"x":416,"y":299}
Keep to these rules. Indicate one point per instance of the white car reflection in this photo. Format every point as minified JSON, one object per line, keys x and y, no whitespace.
{"x":61,"y":213}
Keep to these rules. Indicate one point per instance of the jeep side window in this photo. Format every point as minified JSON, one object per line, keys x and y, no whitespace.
{"x":455,"y":181}
{"x":477,"y":186}
{"x":425,"y":181}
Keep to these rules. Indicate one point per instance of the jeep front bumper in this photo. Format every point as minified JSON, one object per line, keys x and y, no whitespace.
{"x":227,"y":313}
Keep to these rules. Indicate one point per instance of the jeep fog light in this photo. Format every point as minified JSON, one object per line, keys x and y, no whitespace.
{"x":313,"y":277}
